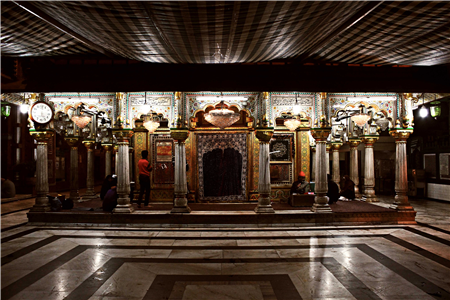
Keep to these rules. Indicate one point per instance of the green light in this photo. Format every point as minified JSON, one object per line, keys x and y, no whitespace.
{"x":435,"y":109}
{"x":6,"y":110}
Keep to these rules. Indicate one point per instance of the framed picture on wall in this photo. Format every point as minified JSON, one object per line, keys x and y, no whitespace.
{"x":164,"y":151}
{"x":281,"y":149}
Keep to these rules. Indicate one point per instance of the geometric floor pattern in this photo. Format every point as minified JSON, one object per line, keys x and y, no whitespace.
{"x":364,"y":262}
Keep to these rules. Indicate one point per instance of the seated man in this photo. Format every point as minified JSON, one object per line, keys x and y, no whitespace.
{"x":301,"y":186}
{"x":8,"y":188}
{"x":347,"y":189}
{"x":110,"y":199}
{"x":333,"y":190}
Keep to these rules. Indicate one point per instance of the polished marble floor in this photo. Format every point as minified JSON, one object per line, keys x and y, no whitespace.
{"x":330,"y":262}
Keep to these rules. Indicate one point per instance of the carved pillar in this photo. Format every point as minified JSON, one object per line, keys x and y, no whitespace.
{"x":74,"y":184}
{"x":108,"y":158}
{"x":321,"y":188}
{"x":313,"y":163}
{"x":354,"y":176}
{"x":180,"y":203}
{"x":336,"y":170}
{"x":264,"y":204}
{"x":401,"y":202}
{"x":42,"y":137}
{"x":123,"y":136}
{"x":130,"y":159}
{"x":369,"y":168}
{"x":116,"y":157}
{"x":328,"y":148}
{"x":90,"y":193}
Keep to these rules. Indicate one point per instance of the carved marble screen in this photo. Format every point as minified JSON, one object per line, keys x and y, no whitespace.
{"x":222,"y":166}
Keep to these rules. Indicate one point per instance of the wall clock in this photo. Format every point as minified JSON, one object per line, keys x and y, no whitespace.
{"x":41,"y":112}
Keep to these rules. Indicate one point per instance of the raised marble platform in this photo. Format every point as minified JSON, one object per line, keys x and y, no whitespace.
{"x":220,"y":218}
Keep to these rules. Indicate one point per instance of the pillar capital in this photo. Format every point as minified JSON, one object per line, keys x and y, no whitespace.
{"x":179,"y":134}
{"x":72,"y":141}
{"x":88,"y":143}
{"x":369,"y":140}
{"x":42,"y":136}
{"x":108,"y":147}
{"x":400,"y":134}
{"x":264,"y":135}
{"x":122,"y":134}
{"x":328,"y":147}
{"x":320,"y":133}
{"x":354,"y":142}
{"x":336,"y":146}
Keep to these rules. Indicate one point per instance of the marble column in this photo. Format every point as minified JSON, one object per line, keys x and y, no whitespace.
{"x":369,"y":168}
{"x":336,"y":169}
{"x":264,"y":204}
{"x":108,"y":158}
{"x":354,"y":174}
{"x":130,"y":159}
{"x":42,"y":137}
{"x":321,"y":185}
{"x":401,"y":202}
{"x":180,"y":203}
{"x":74,"y":184}
{"x":123,"y":174}
{"x":313,"y":163}
{"x":116,"y":157}
{"x":328,"y":148}
{"x":90,"y":193}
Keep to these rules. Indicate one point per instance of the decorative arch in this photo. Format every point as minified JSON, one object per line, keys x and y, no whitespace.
{"x":198,"y":119}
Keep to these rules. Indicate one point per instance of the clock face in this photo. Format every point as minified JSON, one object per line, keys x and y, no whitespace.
{"x":41,"y":113}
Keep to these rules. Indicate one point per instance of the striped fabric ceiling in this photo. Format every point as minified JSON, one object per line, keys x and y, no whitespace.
{"x":349,"y":32}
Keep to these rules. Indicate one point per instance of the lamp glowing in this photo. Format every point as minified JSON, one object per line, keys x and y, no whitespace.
{"x":423,"y":112}
{"x":292,"y":124}
{"x":150,"y":124}
{"x":81,"y":120}
{"x":24,"y":108}
{"x":222,"y":117}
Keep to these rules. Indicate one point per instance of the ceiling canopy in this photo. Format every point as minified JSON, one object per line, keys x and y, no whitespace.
{"x":227,"y":32}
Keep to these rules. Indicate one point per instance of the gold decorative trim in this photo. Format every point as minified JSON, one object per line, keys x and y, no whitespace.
{"x":88,"y":143}
{"x":122,"y":134}
{"x":320,"y":133}
{"x":42,"y":135}
{"x":354,"y":142}
{"x":336,"y":146}
{"x":369,"y":140}
{"x":264,"y":135}
{"x":179,"y":134}
{"x":400,"y":134}
{"x":71,"y":141}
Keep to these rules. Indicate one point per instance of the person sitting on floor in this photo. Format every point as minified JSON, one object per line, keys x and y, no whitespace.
{"x":301,"y":186}
{"x":8,"y":188}
{"x":333,"y":190}
{"x":110,"y":199}
{"x":348,"y":189}
{"x":106,"y":186}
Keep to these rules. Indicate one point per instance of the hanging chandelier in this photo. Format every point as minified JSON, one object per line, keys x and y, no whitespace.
{"x":81,"y":120}
{"x":222,"y":117}
{"x":360,"y":119}
{"x":292,"y":124}
{"x":150,"y":124}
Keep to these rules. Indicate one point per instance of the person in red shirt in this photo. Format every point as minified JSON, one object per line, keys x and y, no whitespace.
{"x":144,"y":178}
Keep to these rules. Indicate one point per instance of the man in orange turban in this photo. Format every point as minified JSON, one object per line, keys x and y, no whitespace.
{"x":301,"y":186}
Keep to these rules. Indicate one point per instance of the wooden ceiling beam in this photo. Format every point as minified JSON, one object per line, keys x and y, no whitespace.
{"x":225,"y":77}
